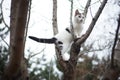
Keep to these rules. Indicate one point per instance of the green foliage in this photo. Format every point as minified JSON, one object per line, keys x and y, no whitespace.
{"x":3,"y":45}
{"x":3,"y":48}
{"x":85,"y":68}
{"x":47,"y":73}
{"x":3,"y":58}
{"x":42,"y":70}
{"x":89,"y":76}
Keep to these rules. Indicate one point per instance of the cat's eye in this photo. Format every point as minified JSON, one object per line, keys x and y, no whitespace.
{"x":79,"y":16}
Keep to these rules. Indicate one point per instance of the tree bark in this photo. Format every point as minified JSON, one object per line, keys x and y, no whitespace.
{"x":54,"y":23}
{"x":18,"y":17}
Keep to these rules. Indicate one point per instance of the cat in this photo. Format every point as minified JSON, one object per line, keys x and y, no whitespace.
{"x":64,"y":38}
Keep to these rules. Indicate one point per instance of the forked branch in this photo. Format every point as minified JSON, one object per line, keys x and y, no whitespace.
{"x":70,"y":65}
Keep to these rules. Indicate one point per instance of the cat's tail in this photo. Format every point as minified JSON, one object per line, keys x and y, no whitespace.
{"x":42,"y":40}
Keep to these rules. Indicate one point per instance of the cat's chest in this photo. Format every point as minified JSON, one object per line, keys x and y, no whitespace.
{"x":77,"y":26}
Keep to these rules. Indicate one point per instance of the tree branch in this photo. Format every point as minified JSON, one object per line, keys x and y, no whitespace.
{"x":2,"y":15}
{"x":86,"y":35}
{"x":55,"y":31}
{"x":115,"y":41}
{"x":5,"y":41}
{"x":71,"y":23}
{"x":54,"y":23}
{"x":27,"y":21}
{"x":86,"y":8}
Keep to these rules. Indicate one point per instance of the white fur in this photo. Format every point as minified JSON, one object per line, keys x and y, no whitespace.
{"x":78,"y":24}
{"x":66,"y":37}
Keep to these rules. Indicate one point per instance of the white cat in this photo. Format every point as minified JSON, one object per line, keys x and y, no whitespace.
{"x":64,"y":38}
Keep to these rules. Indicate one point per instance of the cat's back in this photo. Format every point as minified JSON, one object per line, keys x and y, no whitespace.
{"x":64,"y":36}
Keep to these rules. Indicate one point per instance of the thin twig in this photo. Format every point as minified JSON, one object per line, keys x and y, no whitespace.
{"x":115,"y":41}
{"x":54,"y":18}
{"x":2,"y":14}
{"x":30,"y":56}
{"x":91,"y":12}
{"x":86,"y":8}
{"x":95,"y":2}
{"x":71,"y":23}
{"x":55,"y":28}
{"x":5,"y":42}
{"x":4,"y":22}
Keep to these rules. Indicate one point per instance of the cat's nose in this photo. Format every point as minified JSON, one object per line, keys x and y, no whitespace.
{"x":83,"y":17}
{"x":81,"y":20}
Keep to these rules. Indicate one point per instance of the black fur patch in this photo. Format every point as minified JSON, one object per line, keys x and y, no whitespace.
{"x":67,"y":30}
{"x":59,"y":42}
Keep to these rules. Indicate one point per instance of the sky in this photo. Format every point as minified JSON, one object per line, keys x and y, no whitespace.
{"x":40,"y":24}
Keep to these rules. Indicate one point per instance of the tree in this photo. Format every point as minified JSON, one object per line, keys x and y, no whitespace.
{"x":16,"y":68}
{"x":69,"y":67}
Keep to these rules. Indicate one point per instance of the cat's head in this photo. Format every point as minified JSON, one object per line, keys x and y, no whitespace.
{"x":79,"y":17}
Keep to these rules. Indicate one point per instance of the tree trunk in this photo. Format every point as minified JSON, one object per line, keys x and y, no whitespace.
{"x":70,"y":68}
{"x":14,"y":69}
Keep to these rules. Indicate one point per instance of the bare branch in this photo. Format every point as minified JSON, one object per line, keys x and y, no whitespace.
{"x":96,"y":2}
{"x":34,"y":54}
{"x":86,"y":8}
{"x":5,"y":41}
{"x":27,"y":22}
{"x":91,"y":12}
{"x":54,"y":23}
{"x":55,"y":27}
{"x":55,"y":31}
{"x":86,"y":35}
{"x":115,"y":41}
{"x":2,"y":15}
{"x":71,"y":23}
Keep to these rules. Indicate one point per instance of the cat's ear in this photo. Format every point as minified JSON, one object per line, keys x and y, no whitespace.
{"x":77,"y":12}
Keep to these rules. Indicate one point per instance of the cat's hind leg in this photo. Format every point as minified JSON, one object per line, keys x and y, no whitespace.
{"x":59,"y":45}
